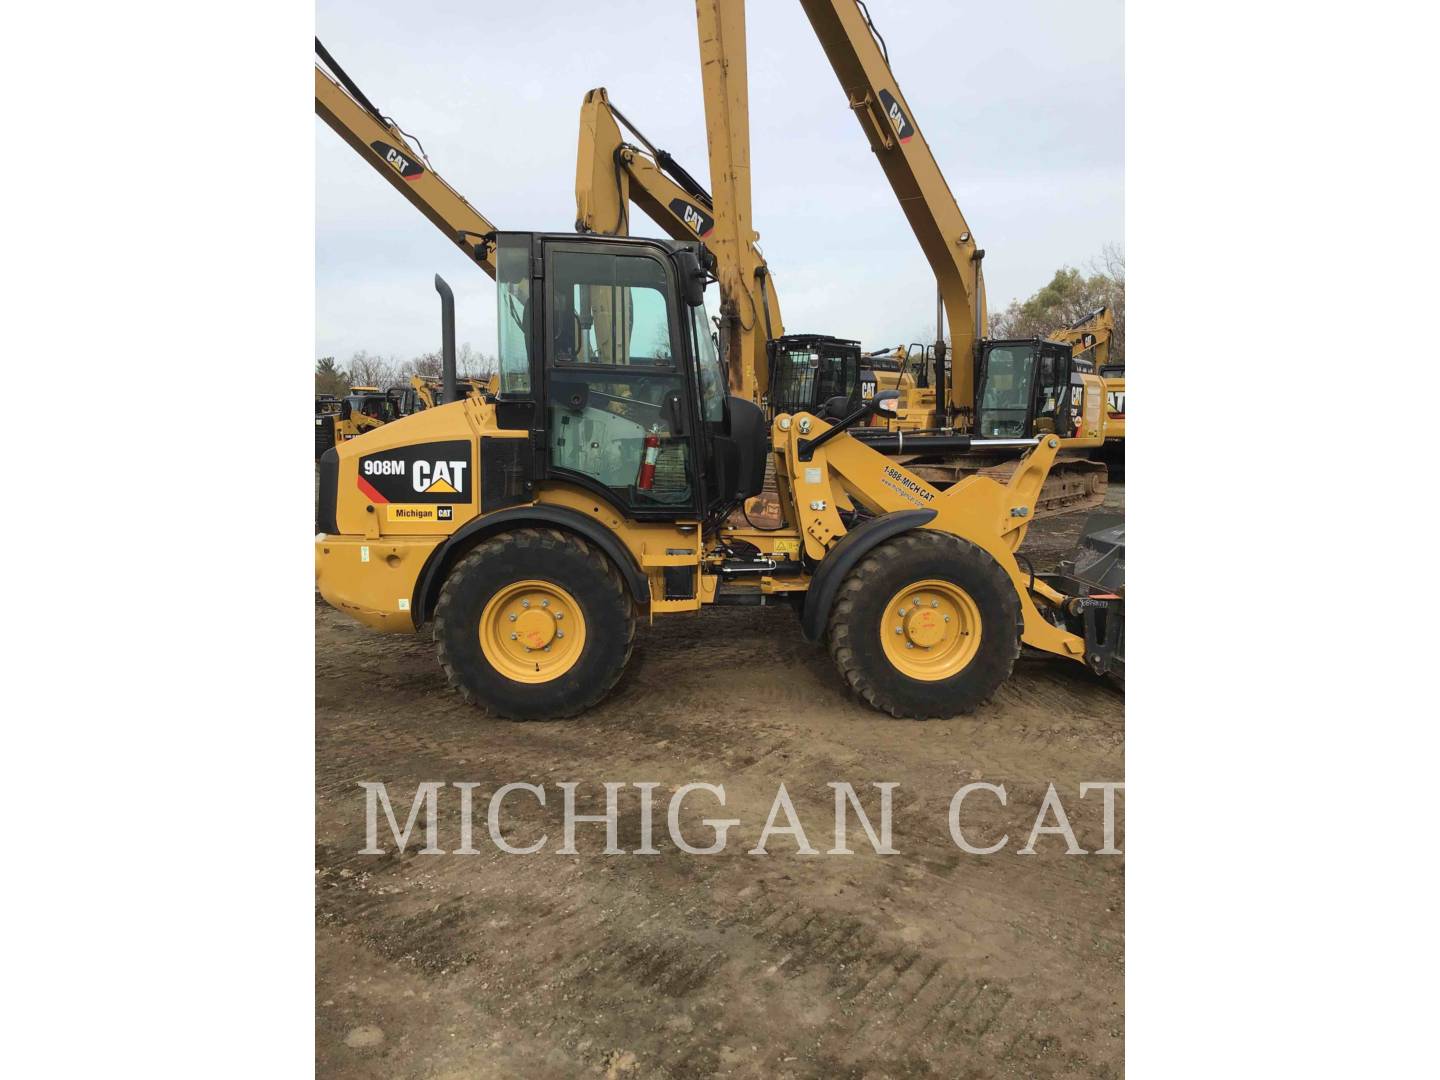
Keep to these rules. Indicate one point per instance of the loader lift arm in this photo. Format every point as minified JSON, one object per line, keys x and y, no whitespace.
{"x":379,"y":140}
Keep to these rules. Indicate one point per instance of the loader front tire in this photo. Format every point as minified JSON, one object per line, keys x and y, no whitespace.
{"x":534,"y":624}
{"x":926,"y":626}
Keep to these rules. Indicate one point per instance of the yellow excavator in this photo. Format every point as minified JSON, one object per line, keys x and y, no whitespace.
{"x":531,"y":531}
{"x":974,"y":385}
{"x":1090,"y":334}
{"x":1089,"y":338}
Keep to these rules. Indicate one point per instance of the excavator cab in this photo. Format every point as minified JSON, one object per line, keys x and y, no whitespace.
{"x":808,"y":371}
{"x":1023,"y":389}
{"x":606,"y":360}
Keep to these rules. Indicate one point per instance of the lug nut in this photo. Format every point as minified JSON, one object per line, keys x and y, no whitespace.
{"x":934,"y":603}
{"x":547,"y":648}
{"x":559,"y":633}
{"x":514,"y":637}
{"x":947,"y":618}
{"x":903,"y":611}
{"x":512,"y":618}
{"x":525,"y":603}
{"x":909,"y":644}
{"x":899,"y":629}
{"x":559,"y":614}
{"x":544,"y":603}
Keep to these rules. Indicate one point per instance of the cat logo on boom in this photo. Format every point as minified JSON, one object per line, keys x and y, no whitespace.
{"x":898,"y":120}
{"x":699,"y":222}
{"x":398,"y":160}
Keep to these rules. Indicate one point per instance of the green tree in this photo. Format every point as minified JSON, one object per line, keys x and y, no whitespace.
{"x":330,"y":379}
{"x":1068,"y":297}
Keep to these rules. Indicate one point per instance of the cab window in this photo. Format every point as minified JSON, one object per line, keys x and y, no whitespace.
{"x":707,"y":360}
{"x":1006,"y":400}
{"x":512,"y":290}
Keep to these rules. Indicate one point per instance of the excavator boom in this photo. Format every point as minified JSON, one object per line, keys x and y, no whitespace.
{"x":1090,"y":333}
{"x":744,"y":278}
{"x":612,"y":172}
{"x":858,"y":58}
{"x":379,"y":140}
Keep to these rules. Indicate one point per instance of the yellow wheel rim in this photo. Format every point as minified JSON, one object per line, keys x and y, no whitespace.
{"x":930,"y":630}
{"x":532,"y":631}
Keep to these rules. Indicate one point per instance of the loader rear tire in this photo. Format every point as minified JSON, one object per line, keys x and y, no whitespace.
{"x":534,"y":624}
{"x":943,"y":657}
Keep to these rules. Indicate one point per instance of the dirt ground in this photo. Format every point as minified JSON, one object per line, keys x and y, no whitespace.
{"x":929,"y":962}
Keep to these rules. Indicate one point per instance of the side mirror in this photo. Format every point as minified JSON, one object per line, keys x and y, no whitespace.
{"x":692,"y":277}
{"x":887,"y":401}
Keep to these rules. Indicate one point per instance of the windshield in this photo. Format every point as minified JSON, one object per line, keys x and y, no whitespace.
{"x":1005,"y":402}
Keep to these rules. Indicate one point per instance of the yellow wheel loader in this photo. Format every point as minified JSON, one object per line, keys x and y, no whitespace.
{"x":531,"y":531}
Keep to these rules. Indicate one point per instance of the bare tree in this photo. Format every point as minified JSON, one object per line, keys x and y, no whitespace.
{"x":472,"y":364}
{"x":426,"y":365}
{"x":366,"y":369}
{"x":1110,"y":266}
{"x":1068,"y":297}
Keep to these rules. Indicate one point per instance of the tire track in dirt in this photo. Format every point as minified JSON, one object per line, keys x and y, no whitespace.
{"x":932,"y":962}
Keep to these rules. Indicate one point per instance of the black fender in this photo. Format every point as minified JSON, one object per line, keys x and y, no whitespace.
{"x":843,"y":557}
{"x":427,"y":590}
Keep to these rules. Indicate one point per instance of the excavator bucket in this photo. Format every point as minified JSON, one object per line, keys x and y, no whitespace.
{"x":1094,"y":575}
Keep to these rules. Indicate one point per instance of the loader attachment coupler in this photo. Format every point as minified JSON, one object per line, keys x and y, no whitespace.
{"x":1094,"y":576}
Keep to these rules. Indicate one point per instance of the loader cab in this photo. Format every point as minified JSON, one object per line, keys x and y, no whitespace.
{"x":402,"y":400}
{"x":1023,"y":389}
{"x":606,"y":359}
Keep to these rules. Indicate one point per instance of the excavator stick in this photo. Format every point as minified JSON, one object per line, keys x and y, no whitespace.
{"x":382,"y":144}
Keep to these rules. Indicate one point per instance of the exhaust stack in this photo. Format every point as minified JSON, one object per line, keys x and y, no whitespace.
{"x":447,"y":339}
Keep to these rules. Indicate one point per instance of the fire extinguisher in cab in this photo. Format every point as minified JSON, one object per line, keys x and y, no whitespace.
{"x":646,"y":480}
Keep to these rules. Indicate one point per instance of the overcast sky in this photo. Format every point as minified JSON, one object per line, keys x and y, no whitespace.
{"x":1022,"y":104}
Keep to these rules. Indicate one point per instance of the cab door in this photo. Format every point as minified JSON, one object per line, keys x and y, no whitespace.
{"x":619,"y":410}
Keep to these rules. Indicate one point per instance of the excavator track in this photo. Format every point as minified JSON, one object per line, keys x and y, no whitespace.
{"x":1074,"y":483}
